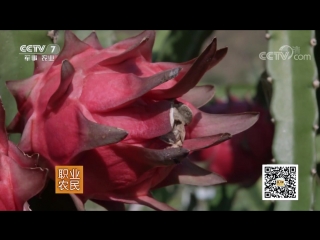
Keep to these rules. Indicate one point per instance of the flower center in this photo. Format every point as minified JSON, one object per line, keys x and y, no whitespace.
{"x":181,"y":116}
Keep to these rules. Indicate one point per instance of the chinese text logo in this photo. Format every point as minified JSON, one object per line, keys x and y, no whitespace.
{"x":69,"y":179}
{"x":32,"y":52}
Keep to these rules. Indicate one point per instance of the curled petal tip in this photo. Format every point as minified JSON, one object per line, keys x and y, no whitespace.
{"x":96,"y":135}
{"x":93,"y":41}
{"x":207,"y":59}
{"x":72,"y":46}
{"x":67,"y":73}
{"x":66,"y":69}
{"x":222,"y":52}
{"x":214,"y":41}
{"x":121,"y":133}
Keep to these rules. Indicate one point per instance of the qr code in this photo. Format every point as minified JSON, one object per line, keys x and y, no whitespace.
{"x":280,"y":182}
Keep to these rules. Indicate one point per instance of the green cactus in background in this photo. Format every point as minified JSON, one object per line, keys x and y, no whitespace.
{"x":316,"y":180}
{"x":294,"y":109}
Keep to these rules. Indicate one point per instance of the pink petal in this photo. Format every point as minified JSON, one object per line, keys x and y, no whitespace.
{"x":24,"y":182}
{"x":151,"y":157}
{"x":125,"y":170}
{"x":76,"y":132}
{"x":106,"y":91}
{"x":21,"y":158}
{"x":133,"y":65}
{"x":131,"y":52}
{"x":128,"y":43}
{"x":72,"y":46}
{"x":199,"y":96}
{"x":205,"y":124}
{"x":140,"y":120}
{"x":93,"y":41}
{"x":204,"y":62}
{"x":25,"y":143}
{"x":106,"y":165}
{"x":205,"y":142}
{"x":40,"y":65}
{"x":16,"y":125}
{"x":188,"y":173}
{"x":48,"y":200}
{"x":67,"y":73}
{"x":3,"y":134}
{"x":162,"y":66}
{"x":21,"y":89}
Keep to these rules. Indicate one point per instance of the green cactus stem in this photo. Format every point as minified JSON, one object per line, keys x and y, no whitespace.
{"x":294,"y":108}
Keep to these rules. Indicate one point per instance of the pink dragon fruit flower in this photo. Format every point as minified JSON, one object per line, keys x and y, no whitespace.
{"x":20,"y":177}
{"x":129,"y":122}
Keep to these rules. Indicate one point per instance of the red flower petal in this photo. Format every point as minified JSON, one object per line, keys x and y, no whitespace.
{"x":3,"y":134}
{"x":141,"y":120}
{"x":205,"y":142}
{"x":72,"y":46}
{"x":134,"y":51}
{"x":205,"y":124}
{"x":20,"y":179}
{"x":93,"y":41}
{"x":124,"y":88}
{"x":199,"y":96}
{"x":131,"y":43}
{"x":188,"y":173}
{"x":21,"y":89}
{"x":204,"y":62}
{"x":67,"y":73}
{"x":82,"y":133}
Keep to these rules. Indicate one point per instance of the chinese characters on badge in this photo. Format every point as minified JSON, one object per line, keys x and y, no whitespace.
{"x":42,"y":53}
{"x":44,"y":58}
{"x":69,"y":179}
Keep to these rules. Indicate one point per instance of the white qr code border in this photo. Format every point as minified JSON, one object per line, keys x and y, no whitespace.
{"x":264,"y":181}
